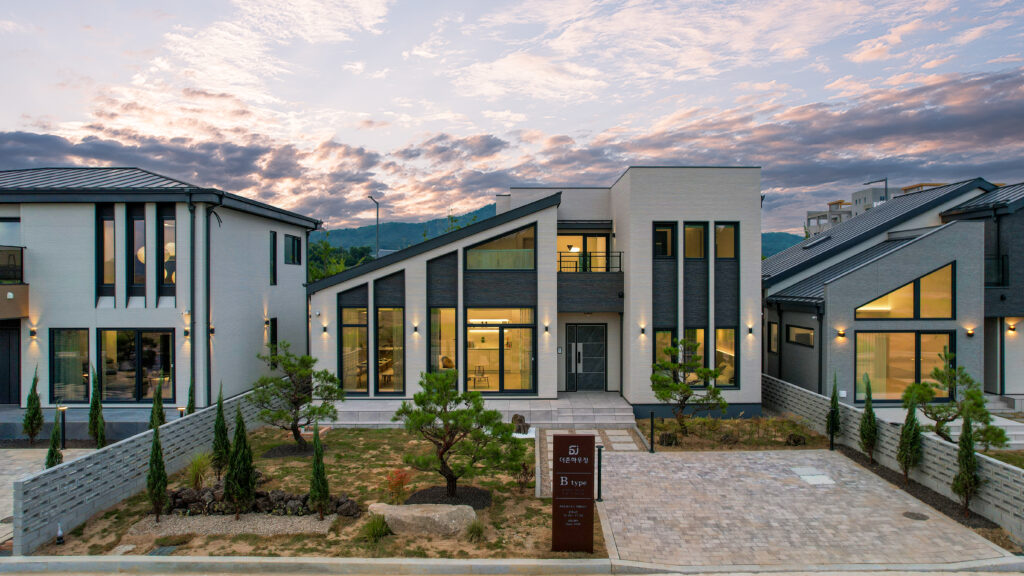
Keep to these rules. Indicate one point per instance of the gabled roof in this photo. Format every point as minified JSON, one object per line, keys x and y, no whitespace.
{"x":103,"y":184}
{"x":1007,"y":198}
{"x":436,"y":242}
{"x":849,"y":233}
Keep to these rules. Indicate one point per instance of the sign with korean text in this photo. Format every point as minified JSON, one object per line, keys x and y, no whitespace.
{"x":572,"y":491}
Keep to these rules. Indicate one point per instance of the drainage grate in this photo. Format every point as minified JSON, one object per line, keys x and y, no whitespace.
{"x":915,"y":516}
{"x":162,"y":551}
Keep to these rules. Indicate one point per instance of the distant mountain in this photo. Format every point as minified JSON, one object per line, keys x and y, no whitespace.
{"x":398,"y":235}
{"x":774,"y":242}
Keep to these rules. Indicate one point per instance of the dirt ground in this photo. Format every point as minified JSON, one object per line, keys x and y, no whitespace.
{"x":764,"y":433}
{"x":515,"y":525}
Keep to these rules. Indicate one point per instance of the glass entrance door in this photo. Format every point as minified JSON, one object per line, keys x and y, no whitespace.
{"x":587,"y":357}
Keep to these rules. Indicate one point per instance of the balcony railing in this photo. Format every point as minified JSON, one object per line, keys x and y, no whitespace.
{"x":10,"y":265}
{"x":997,"y":271}
{"x":590,"y":262}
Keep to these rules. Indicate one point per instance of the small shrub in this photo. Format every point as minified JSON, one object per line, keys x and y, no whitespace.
{"x":524,"y":475}
{"x":33,"y":421}
{"x":157,"y":418}
{"x":53,"y":455}
{"x":668,"y":439}
{"x":909,"y":452}
{"x":198,"y":470}
{"x":868,"y":424}
{"x":221,"y":455}
{"x":967,"y":481}
{"x":833,"y":425}
{"x":475,"y":531}
{"x":97,"y":426}
{"x":375,"y":529}
{"x":319,"y":490}
{"x":156,"y":477}
{"x":396,"y":482}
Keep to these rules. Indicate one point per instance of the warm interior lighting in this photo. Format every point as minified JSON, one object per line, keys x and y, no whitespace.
{"x":573,"y":248}
{"x":141,"y":254}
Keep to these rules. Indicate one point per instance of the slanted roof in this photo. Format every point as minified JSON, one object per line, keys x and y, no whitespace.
{"x":103,"y":184}
{"x":849,"y":233}
{"x":1007,"y":198}
{"x":436,"y":242}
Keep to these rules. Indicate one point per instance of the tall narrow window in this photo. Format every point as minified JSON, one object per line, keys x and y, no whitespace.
{"x":696,"y":335}
{"x":105,"y":250}
{"x":354,"y":354}
{"x":292,"y":249}
{"x":136,"y":256}
{"x":272,"y":339}
{"x":390,"y":350}
{"x":134,"y":362}
{"x":273,"y":258}
{"x":725,"y":356}
{"x":725,"y":241}
{"x":773,"y":337}
{"x":69,"y":365}
{"x":443,"y":339}
{"x":662,"y":340}
{"x":664,"y":240}
{"x":513,"y":251}
{"x":937,"y":294}
{"x":694,"y":238}
{"x":166,"y":237}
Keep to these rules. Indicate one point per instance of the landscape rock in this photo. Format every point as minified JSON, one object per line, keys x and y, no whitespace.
{"x":210,"y":501}
{"x":442,"y":520}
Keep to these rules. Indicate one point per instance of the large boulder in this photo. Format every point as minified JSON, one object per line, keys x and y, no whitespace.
{"x":442,"y":520}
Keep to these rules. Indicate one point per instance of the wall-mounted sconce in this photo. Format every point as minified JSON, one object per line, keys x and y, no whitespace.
{"x":546,"y":329}
{"x":970,"y":332}
{"x":266,"y":323}
{"x":1012,"y":327}
{"x":187,"y":332}
{"x":317,"y":313}
{"x":750,"y":329}
{"x":325,"y":329}
{"x":415,"y":329}
{"x":643,"y":330}
{"x":211,"y":331}
{"x":32,"y":332}
{"x":841,"y":333}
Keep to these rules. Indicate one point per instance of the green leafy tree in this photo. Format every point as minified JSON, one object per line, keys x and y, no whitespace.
{"x":324,"y":259}
{"x":467,"y":439}
{"x":240,"y":481}
{"x":910,"y":451}
{"x":295,"y":395}
{"x":966,"y":399}
{"x":681,"y":379}
{"x":833,"y":424}
{"x":319,"y":491}
{"x":97,"y":425}
{"x":221,"y":455}
{"x":868,"y":424}
{"x":967,"y":482}
{"x":54,"y":456}
{"x":32,"y":423}
{"x":190,"y":408}
{"x":156,"y":477}
{"x":157,"y":418}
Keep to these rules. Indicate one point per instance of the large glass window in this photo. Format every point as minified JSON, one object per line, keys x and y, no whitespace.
{"x":273,"y":258}
{"x":662,"y":340}
{"x":928,"y":297}
{"x":105,"y":250}
{"x":390,"y":350}
{"x":513,"y":251}
{"x":894,"y":360}
{"x":10,"y":231}
{"x":136,"y":250}
{"x":694,"y":237}
{"x":937,"y":294}
{"x":443,"y":339}
{"x":354,"y":351}
{"x":166,"y":236}
{"x":800,"y":335}
{"x":69,"y":365}
{"x":584,"y":253}
{"x":134,"y":362}
{"x":725,"y":356}
{"x":696,"y":335}
{"x":664,"y":240}
{"x":725,"y":241}
{"x":500,"y":349}
{"x":292,"y":249}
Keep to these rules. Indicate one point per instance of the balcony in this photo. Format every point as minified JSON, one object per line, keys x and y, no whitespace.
{"x":589,"y":262}
{"x":13,"y":290}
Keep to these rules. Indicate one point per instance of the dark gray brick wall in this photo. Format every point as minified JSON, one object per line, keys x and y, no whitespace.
{"x":727,"y":292}
{"x":389,"y":291}
{"x":500,"y":288}
{"x":695,"y":293}
{"x":354,"y":297}
{"x":665,"y":293}
{"x":72,"y":492}
{"x":1001,"y":498}
{"x":1008,"y":300}
{"x":443,"y":281}
{"x":590,"y":292}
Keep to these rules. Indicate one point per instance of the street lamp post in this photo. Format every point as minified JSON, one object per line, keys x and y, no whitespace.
{"x":377,"y":204}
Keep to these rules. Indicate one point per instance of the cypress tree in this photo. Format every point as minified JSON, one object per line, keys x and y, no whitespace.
{"x":868,"y":424}
{"x":240,"y":481}
{"x":319,"y":492}
{"x":190,"y":408}
{"x":97,"y":426}
{"x":832,"y":422}
{"x":909,"y":452}
{"x":156,"y":416}
{"x":54,"y":456}
{"x":967,"y":481}
{"x":156,"y":478}
{"x":32,"y":424}
{"x":221,"y":445}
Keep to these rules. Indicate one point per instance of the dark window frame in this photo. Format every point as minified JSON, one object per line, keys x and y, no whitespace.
{"x":88,"y":384}
{"x":585,"y":251}
{"x":165,"y":212}
{"x":704,"y":236}
{"x":138,"y":364}
{"x":134,"y":212}
{"x":736,"y":354}
{"x":104,"y":213}
{"x":673,"y":245}
{"x":735,"y":240}
{"x":790,"y":340}
{"x":673,"y":335}
{"x":292,"y":250}
{"x":341,"y":344}
{"x":273,"y":258}
{"x":773,"y":339}
{"x":917,"y":360}
{"x":465,"y":252}
{"x":916,"y":282}
{"x":376,"y":352}
{"x":501,"y":357}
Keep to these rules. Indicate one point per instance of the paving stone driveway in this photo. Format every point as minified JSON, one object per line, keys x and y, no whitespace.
{"x":15,"y":463}
{"x":753,"y":508}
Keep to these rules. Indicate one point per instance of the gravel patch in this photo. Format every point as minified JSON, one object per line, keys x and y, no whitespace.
{"x":259,"y":524}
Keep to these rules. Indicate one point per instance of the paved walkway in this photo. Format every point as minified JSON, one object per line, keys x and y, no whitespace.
{"x":15,"y":463}
{"x":613,"y":440}
{"x":772,"y":508}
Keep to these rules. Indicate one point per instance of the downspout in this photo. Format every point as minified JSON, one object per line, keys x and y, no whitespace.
{"x":192,"y":293}
{"x":206,"y":307}
{"x":821,"y":348}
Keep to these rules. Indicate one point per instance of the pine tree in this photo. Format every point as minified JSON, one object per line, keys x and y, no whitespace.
{"x":868,"y":424}
{"x":190,"y":408}
{"x":909,"y":452}
{"x":319,"y":492}
{"x":221,"y":445}
{"x":157,"y":418}
{"x":240,"y":481}
{"x":54,"y":456}
{"x":33,"y":422}
{"x":156,"y":478}
{"x":832,"y":422}
{"x":97,"y":426}
{"x":967,"y":481}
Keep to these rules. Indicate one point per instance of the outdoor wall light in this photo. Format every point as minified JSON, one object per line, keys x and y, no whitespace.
{"x":970,"y":332}
{"x":266,"y":323}
{"x":415,"y":329}
{"x":32,"y":332}
{"x":841,"y":333}
{"x":181,"y":411}
{"x":643,"y":330}
{"x":1012,"y":327}
{"x":750,"y":329}
{"x":317,"y":313}
{"x":187,"y":332}
{"x":546,"y":329}
{"x":325,"y":329}
{"x":212,"y":331}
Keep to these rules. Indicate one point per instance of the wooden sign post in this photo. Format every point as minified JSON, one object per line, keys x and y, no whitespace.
{"x":572,"y":491}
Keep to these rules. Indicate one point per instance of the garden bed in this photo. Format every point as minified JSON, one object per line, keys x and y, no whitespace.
{"x":1011,"y":457}
{"x":516,"y":524}
{"x":762,"y":433}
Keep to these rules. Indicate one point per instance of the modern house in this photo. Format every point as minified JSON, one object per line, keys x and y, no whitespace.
{"x":567,"y":289}
{"x":884,"y":293}
{"x":146,"y":279}
{"x":868,"y":198}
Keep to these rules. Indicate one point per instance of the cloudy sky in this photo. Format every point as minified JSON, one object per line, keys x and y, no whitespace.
{"x":438,"y":105}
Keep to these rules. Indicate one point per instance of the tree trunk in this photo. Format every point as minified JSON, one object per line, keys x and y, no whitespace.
{"x":906,"y":477}
{"x":451,"y":480}
{"x":297,"y":434}
{"x":157,"y":512}
{"x":320,"y":509}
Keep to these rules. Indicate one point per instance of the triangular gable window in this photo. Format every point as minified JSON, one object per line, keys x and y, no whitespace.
{"x":928,"y":297}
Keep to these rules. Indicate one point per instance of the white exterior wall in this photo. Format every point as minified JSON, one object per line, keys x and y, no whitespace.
{"x":577,"y":203}
{"x":1013,"y":356}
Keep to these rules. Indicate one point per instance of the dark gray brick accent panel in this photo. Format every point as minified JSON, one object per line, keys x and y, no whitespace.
{"x":665,"y":293}
{"x":727,"y":290}
{"x":1009,"y":300}
{"x":72,"y":492}
{"x":500,"y":288}
{"x":1001,"y":498}
{"x":590,"y":292}
{"x":695,"y":293}
{"x":389,"y":290}
{"x":354,"y":297}
{"x":443,"y":281}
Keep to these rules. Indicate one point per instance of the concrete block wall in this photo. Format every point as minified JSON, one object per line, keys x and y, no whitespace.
{"x":72,"y":492}
{"x":1001,"y":498}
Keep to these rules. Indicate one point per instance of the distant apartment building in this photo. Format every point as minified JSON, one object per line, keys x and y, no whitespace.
{"x":818,"y":221}
{"x":868,"y":198}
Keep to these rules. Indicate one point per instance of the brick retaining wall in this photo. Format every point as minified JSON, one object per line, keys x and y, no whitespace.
{"x":1001,"y":498}
{"x":72,"y":492}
